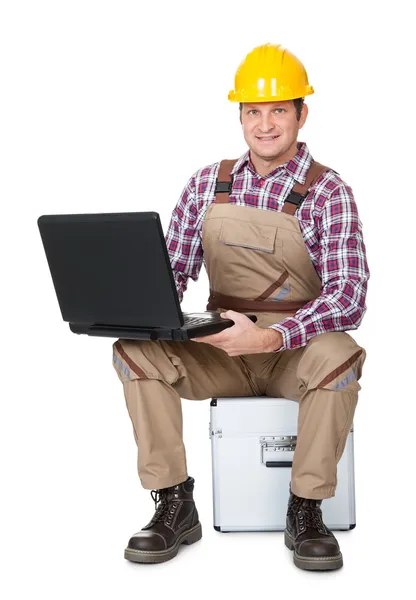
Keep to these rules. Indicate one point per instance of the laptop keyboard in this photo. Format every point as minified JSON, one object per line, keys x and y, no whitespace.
{"x":194,"y":321}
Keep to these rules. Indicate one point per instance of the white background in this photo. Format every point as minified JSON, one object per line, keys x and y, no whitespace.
{"x":111,"y":106}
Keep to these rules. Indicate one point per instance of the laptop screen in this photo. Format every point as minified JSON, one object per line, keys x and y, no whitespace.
{"x":111,"y":269}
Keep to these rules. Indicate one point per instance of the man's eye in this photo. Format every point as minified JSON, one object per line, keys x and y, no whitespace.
{"x":252,"y":111}
{"x":280,"y":110}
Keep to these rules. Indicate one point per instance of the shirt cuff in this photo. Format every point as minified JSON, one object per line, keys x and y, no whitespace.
{"x":293,"y":332}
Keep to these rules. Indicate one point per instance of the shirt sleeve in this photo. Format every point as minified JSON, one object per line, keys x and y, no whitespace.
{"x":183,"y":241}
{"x":343,"y":271}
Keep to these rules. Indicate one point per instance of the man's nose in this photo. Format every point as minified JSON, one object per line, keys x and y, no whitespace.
{"x":266,"y":124}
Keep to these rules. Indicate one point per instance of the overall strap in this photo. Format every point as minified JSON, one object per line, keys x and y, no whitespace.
{"x":224,"y":183}
{"x":299,"y":192}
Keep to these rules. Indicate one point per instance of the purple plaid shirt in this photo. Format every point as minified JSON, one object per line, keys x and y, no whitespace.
{"x":331,"y":229}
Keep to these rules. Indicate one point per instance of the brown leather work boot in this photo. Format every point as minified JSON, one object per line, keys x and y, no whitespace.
{"x":315,"y":547}
{"x":175,"y":522}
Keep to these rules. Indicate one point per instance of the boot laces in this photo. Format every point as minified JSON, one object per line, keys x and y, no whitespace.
{"x":312,"y":518}
{"x":308,"y":514}
{"x":165,"y":504}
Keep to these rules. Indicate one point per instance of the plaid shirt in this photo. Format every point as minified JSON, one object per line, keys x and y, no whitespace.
{"x":331,"y":229}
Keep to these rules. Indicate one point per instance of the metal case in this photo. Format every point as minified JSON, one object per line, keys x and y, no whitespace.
{"x":253,"y":441}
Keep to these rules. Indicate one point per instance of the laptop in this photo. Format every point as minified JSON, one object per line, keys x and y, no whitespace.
{"x":113,"y":278}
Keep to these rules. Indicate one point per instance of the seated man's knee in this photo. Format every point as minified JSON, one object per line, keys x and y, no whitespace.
{"x":142,"y":359}
{"x":332,"y":361}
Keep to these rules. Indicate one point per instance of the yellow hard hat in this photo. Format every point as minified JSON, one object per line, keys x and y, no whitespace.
{"x":270,"y":73}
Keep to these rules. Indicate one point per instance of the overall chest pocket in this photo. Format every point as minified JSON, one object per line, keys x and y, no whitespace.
{"x":249,"y":235}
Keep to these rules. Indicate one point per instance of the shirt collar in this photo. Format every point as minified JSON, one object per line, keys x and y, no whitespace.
{"x":297,"y":167}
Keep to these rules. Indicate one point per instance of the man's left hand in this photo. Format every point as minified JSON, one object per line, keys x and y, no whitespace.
{"x":244,"y":337}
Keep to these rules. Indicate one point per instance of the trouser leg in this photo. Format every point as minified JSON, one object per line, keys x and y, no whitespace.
{"x":323,"y":378}
{"x":155,"y":376}
{"x":156,"y":415}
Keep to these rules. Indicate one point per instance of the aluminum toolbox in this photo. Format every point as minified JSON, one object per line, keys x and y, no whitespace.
{"x":253,"y":441}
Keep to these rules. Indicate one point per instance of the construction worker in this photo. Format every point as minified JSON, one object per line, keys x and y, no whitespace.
{"x":281,"y":238}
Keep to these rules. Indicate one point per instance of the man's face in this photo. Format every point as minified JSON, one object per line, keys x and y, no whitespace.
{"x":271,"y":128}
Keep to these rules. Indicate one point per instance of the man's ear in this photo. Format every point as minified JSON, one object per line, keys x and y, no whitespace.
{"x":303,"y":116}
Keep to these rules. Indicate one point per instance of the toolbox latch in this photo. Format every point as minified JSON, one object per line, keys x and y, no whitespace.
{"x":272,"y":445}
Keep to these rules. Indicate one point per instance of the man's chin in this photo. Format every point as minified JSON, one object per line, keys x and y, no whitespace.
{"x":267,"y":149}
{"x":272,"y":154}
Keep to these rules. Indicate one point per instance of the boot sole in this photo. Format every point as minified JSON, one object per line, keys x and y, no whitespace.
{"x":313,"y":564}
{"x":188,"y":537}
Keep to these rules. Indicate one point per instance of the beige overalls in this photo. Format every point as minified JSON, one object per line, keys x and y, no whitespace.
{"x":257,"y":263}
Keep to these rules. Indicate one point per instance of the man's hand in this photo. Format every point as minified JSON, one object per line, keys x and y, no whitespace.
{"x":244,"y":337}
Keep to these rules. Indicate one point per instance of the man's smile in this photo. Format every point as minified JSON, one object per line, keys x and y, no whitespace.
{"x":267,"y":138}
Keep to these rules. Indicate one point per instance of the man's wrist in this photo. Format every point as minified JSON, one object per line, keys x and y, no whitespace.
{"x":273,"y":340}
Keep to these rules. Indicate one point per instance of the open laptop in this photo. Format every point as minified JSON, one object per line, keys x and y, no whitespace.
{"x":113,"y":278}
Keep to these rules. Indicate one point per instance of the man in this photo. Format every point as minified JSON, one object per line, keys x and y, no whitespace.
{"x":280,"y":237}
